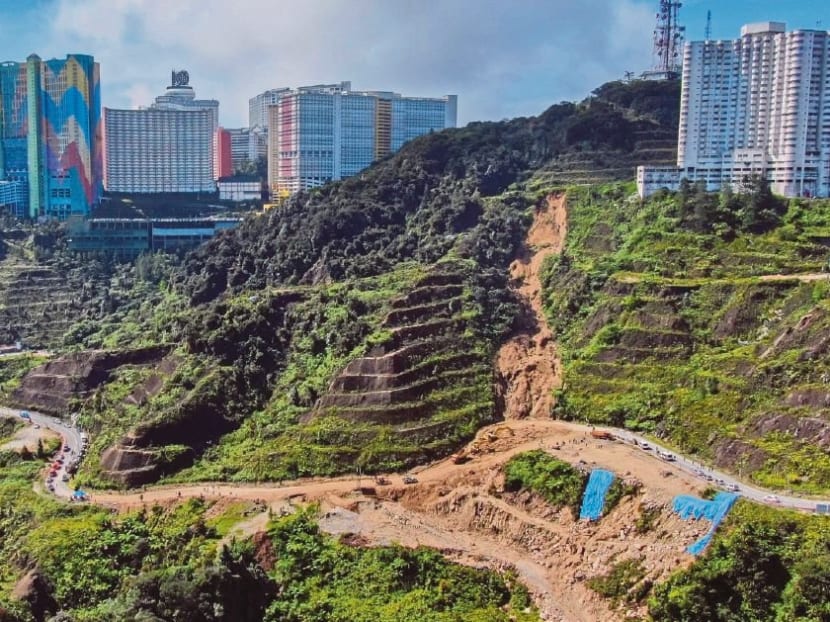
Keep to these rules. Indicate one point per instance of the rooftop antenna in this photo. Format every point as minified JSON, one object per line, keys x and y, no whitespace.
{"x":708,"y":25}
{"x":668,"y":38}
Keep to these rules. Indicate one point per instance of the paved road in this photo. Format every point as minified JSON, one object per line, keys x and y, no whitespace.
{"x":71,"y":437}
{"x":718,"y":478}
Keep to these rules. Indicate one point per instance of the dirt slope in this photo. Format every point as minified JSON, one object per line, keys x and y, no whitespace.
{"x":460,"y":510}
{"x":528,"y":367}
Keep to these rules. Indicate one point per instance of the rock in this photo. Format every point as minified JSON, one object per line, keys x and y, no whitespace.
{"x":35,"y":590}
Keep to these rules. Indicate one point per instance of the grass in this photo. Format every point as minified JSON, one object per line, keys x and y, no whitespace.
{"x":632,"y":274}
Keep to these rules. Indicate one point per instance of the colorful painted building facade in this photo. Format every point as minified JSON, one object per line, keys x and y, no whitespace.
{"x":50,"y":140}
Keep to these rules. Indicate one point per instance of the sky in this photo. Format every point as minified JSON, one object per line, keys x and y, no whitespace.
{"x":503,"y":58}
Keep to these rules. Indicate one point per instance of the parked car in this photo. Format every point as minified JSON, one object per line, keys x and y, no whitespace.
{"x":772,"y":499}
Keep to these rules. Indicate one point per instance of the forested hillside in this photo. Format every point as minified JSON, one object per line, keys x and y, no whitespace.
{"x":402,"y":267}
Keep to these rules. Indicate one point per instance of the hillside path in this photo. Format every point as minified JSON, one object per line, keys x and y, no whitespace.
{"x":528,"y":366}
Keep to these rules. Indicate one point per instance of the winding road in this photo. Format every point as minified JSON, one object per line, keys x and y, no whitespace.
{"x":71,"y":437}
{"x":573,"y":440}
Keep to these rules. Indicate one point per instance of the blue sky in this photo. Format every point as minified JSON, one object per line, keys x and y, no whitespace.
{"x":503,"y":58}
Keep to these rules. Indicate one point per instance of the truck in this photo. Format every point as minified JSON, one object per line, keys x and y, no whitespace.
{"x":602,"y":435}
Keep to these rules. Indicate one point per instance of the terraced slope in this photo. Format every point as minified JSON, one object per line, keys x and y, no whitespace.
{"x":42,"y":297}
{"x":715,"y":343}
{"x":427,"y":379}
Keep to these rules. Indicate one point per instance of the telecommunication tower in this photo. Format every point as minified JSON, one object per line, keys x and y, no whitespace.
{"x":708,"y":25}
{"x":668,"y":39}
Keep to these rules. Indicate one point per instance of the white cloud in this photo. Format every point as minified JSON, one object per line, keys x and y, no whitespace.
{"x":502,"y":57}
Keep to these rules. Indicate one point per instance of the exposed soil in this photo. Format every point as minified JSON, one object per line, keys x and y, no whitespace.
{"x":459,"y":510}
{"x":528,"y":366}
{"x":27,"y":437}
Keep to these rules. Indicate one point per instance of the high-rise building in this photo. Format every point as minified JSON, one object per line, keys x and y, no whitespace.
{"x":222,"y":154}
{"x":168,"y":147}
{"x":248,"y":144}
{"x":328,"y":132}
{"x":50,"y":140}
{"x":258,"y":107}
{"x":754,"y":106}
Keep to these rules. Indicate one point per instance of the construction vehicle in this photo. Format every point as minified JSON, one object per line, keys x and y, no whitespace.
{"x":602,"y":435}
{"x":460,"y":457}
{"x":380,"y":480}
{"x":496,"y":433}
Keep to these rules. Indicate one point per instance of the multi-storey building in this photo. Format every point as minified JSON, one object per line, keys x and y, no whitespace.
{"x":754,"y":106}
{"x":258,"y":107}
{"x":222,"y":157}
{"x":247,"y":145}
{"x":328,"y":132}
{"x":168,"y":147}
{"x":50,"y":136}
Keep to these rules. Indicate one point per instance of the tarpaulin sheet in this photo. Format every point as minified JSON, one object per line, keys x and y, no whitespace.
{"x":594,"y":498}
{"x":714,"y":511}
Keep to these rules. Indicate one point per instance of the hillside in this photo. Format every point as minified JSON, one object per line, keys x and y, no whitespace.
{"x":375,"y":325}
{"x":354,"y":326}
{"x":709,"y":333}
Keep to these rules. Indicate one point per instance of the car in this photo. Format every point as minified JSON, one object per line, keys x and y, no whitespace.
{"x":645,"y":446}
{"x":65,"y":477}
{"x":53,"y":473}
{"x":66,"y":448}
{"x":772,"y":499}
{"x":409,"y":479}
{"x":51,"y":487}
{"x":733,"y":487}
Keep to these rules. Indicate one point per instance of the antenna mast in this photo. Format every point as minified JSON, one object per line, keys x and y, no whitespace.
{"x":708,"y":25}
{"x":668,"y":38}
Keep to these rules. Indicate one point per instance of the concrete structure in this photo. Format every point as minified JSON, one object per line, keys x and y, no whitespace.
{"x":247,"y":146}
{"x":129,"y":237}
{"x":758,"y":105}
{"x":321,"y":133}
{"x":222,"y":153}
{"x":258,"y":107}
{"x":240,"y":188}
{"x":168,"y":147}
{"x":50,"y":139}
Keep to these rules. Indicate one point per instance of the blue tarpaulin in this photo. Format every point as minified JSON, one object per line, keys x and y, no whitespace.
{"x":594,"y":498}
{"x":714,"y":511}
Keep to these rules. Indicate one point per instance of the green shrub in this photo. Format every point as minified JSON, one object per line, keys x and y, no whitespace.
{"x":554,"y":480}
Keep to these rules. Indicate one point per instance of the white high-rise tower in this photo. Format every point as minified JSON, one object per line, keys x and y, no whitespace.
{"x":758,"y":105}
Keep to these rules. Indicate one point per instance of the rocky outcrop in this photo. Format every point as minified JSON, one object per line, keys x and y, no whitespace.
{"x":51,"y":387}
{"x":135,"y":466}
{"x":34,"y":590}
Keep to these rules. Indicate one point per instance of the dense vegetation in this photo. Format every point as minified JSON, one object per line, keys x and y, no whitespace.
{"x":264,"y":316}
{"x":171,"y":564}
{"x":557,"y":482}
{"x":414,"y":204}
{"x":667,"y":325}
{"x":764,"y":565}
